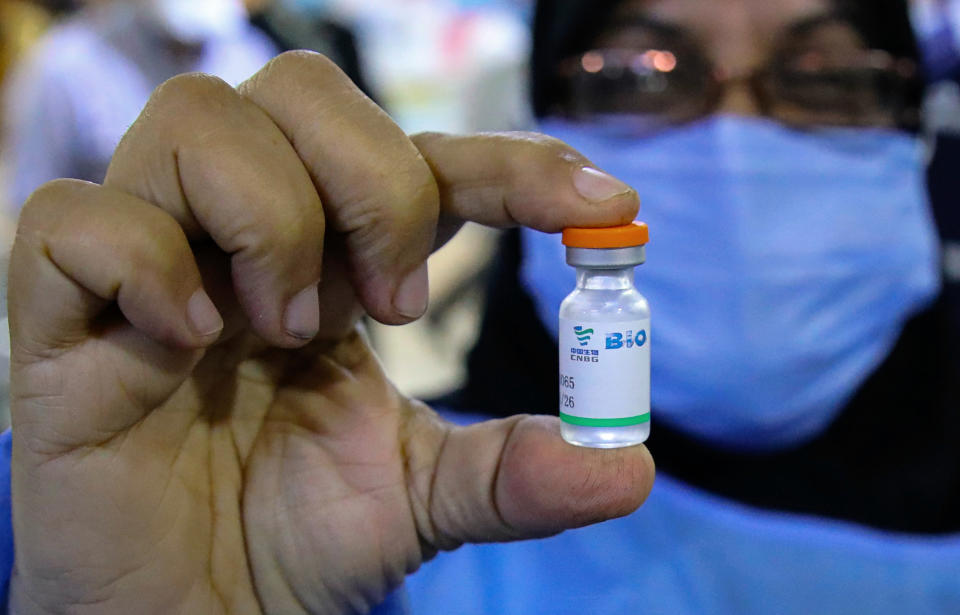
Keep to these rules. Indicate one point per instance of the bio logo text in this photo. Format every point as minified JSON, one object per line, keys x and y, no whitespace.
{"x":626,"y":339}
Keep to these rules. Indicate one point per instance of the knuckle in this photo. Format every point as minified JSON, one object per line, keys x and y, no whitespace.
{"x":297,"y":74}
{"x":537,"y":155}
{"x":543,"y":146}
{"x":191,"y":93}
{"x":54,"y":195}
{"x":299,"y":64}
{"x":285,"y":235}
{"x":410,"y":200}
{"x":428,"y":138}
{"x":394,"y":237}
{"x":281,"y":227}
{"x":292,"y":217}
{"x":299,"y":84}
{"x":551,"y":149}
{"x":530,"y":154}
{"x":417,"y":192}
{"x":158,"y":245}
{"x":162,"y":228}
{"x":65,"y":218}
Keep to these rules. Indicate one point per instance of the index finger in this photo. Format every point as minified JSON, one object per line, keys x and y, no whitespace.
{"x":523,"y":178}
{"x":386,"y":192}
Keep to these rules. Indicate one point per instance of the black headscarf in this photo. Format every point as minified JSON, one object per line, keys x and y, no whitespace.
{"x":563,"y":28}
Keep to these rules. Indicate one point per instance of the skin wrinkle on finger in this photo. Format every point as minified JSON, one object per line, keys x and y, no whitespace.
{"x":419,"y":463}
{"x":180,"y":97}
{"x":494,"y":490}
{"x":466,"y":511}
{"x":350,"y":152}
{"x":256,"y":240}
{"x":597,"y":473}
{"x":36,"y":344}
{"x":220,"y":166}
{"x":505,"y":184}
{"x":530,"y":484}
{"x":375,"y":185}
{"x":147,"y":268}
{"x":509,"y":179}
{"x":448,"y":192}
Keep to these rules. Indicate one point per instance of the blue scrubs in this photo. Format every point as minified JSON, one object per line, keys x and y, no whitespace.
{"x":688,"y":552}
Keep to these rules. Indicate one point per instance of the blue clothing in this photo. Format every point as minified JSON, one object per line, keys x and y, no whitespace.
{"x":687,"y":552}
{"x":396,"y":604}
{"x":6,"y":519}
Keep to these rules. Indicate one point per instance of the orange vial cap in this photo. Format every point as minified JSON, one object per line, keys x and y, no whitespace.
{"x":626,"y":236}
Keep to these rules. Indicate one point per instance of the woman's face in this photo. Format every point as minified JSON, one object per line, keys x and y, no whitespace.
{"x":794,"y":60}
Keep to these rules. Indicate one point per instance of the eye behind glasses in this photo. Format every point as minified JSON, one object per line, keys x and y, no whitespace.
{"x":651,"y":87}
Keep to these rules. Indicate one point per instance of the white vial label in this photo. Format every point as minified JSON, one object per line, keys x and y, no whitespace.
{"x":605,"y":372}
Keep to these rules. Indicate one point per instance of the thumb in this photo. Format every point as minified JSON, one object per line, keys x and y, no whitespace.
{"x":516,"y":478}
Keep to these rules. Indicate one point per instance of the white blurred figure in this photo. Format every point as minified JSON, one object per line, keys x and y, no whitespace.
{"x":439,"y":65}
{"x":72,"y":98}
{"x":937,"y":24}
{"x":442,"y":66}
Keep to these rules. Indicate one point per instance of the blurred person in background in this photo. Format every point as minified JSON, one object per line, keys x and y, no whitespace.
{"x":442,"y":65}
{"x":806,"y":344}
{"x":938,"y":26}
{"x":290,"y":27}
{"x":72,"y":99}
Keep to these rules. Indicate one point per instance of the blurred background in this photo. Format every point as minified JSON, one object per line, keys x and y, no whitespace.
{"x":75,"y":73}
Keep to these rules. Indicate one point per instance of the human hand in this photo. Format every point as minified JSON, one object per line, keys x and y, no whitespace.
{"x":172,"y":456}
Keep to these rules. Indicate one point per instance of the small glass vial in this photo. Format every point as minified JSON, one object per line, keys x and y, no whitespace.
{"x":605,"y":340}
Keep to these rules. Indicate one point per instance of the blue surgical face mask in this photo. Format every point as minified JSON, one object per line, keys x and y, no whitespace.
{"x":781,"y":267}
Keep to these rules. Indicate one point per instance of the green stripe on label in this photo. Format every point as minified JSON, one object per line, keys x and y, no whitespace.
{"x":585,"y":422}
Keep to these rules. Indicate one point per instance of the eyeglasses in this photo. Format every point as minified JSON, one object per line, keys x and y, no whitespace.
{"x":653,"y":87}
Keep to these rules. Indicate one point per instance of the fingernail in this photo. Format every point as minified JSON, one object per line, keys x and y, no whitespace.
{"x":597,"y":186}
{"x":413,"y":293}
{"x":202,"y":315}
{"x":302,"y":318}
